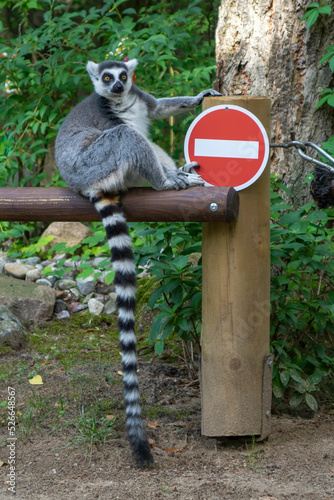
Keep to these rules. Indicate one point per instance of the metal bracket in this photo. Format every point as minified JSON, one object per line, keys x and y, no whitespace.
{"x":266,"y":397}
{"x":301,"y":148}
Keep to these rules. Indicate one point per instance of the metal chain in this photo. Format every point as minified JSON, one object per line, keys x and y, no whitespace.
{"x":301,"y":148}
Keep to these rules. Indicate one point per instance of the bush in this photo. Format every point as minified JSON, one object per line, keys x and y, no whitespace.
{"x":42,"y":70}
{"x":302,"y":300}
{"x":302,"y":296}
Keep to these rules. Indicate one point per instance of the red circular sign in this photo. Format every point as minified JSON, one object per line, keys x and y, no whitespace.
{"x":230,"y":145}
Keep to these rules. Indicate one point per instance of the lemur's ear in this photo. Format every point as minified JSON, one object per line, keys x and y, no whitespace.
{"x":131,"y":65}
{"x":93,"y":70}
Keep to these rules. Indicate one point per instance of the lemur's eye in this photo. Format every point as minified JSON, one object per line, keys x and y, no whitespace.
{"x":123,"y":77}
{"x":106,"y":78}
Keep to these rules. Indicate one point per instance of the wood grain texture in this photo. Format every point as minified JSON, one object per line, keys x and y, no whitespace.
{"x":236,"y":306}
{"x":140,"y":205}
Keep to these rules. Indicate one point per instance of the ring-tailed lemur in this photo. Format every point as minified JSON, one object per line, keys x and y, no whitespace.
{"x":102,"y":148}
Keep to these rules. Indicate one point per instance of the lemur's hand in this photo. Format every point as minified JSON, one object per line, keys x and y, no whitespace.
{"x":207,"y":93}
{"x":182,"y":178}
{"x":189,"y":168}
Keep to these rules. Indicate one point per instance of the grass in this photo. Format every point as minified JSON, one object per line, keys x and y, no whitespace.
{"x":82,"y":392}
{"x":254,"y":456}
{"x":78,"y":361}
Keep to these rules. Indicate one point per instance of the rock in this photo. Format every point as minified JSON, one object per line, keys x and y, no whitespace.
{"x":32,"y":304}
{"x":76,"y":307}
{"x":75,"y":293}
{"x":72,"y":233}
{"x":88,"y":297}
{"x":144,"y":273}
{"x":31,"y":261}
{"x":110,"y":307}
{"x":63,"y":315}
{"x":86,"y":285}
{"x":43,"y":282}
{"x":70,"y":274}
{"x":11,"y":331}
{"x":48,"y":263}
{"x":33,"y":275}
{"x":52,"y":279}
{"x":3,"y":262}
{"x":60,"y":306}
{"x":59,"y":257}
{"x":95,"y":307}
{"x":66,"y":284}
{"x":18,"y":270}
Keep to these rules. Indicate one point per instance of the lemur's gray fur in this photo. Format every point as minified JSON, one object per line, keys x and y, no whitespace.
{"x":102,"y":148}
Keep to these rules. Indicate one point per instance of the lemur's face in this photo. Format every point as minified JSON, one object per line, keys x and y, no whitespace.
{"x":112,"y":79}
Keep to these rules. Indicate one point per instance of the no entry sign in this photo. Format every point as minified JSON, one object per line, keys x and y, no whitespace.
{"x":230,"y":145}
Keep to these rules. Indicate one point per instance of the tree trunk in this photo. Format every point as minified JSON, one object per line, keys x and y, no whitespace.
{"x":264,"y":50}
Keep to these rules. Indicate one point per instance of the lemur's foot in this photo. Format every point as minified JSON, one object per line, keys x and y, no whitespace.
{"x":189,"y":176}
{"x":182,"y":178}
{"x":189,"y":168}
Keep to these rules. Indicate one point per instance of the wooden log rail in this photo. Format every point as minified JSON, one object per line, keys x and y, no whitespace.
{"x":201,"y":204}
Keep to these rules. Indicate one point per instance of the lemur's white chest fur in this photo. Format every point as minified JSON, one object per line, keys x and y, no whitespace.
{"x":134,"y":114}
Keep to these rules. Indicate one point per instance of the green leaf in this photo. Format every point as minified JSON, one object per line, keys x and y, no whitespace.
{"x":109,"y":278}
{"x":180,"y":262}
{"x":315,"y":378}
{"x":159,"y":347}
{"x":326,"y":9}
{"x":284,"y":377}
{"x":330,"y":100}
{"x":183,"y":324}
{"x":290,"y":218}
{"x":295,"y":375}
{"x":311,"y":402}
{"x":312,"y":18}
{"x":278,"y":391}
{"x":295,"y":400}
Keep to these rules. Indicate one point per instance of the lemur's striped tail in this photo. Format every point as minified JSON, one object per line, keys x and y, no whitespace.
{"x":112,"y":215}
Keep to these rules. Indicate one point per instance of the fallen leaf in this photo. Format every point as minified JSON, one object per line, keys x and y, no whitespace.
{"x":2,"y":464}
{"x":172,"y":450}
{"x":179,"y":423}
{"x":59,"y":405}
{"x":110,"y":417}
{"x":120,"y":373}
{"x":153,"y":425}
{"x":37,"y":380}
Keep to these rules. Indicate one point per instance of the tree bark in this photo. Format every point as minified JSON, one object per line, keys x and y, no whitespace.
{"x":264,"y":50}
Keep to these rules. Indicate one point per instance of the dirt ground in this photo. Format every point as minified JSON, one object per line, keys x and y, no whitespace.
{"x":296,"y":462}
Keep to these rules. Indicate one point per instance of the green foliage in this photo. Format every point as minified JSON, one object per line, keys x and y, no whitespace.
{"x":314,"y":10}
{"x":302,"y":300}
{"x":328,"y":97}
{"x":42,"y":70}
{"x":171,"y":251}
{"x":93,"y":429}
{"x":43,"y":75}
{"x":302,"y":296}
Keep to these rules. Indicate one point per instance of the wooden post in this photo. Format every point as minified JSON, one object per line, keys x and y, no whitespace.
{"x":235,"y":362}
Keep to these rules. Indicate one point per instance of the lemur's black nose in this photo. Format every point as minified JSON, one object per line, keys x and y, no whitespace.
{"x":117,"y":88}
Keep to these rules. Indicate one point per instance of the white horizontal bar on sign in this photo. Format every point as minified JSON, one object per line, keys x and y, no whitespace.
{"x":227,"y":149}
